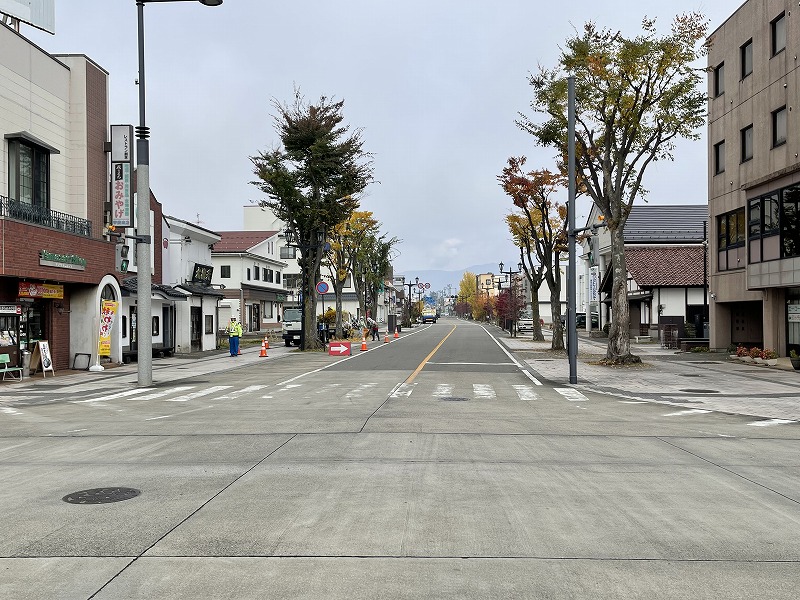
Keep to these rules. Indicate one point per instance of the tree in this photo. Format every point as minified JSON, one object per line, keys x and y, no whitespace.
{"x":467,"y":293}
{"x":311,"y":182}
{"x":539,"y":230}
{"x":634,"y":98}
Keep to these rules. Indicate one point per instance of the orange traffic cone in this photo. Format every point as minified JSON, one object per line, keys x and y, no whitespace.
{"x":263,"y":349}
{"x":386,"y":339}
{"x":363,"y":344}
{"x":240,"y":347}
{"x":396,"y":334}
{"x":266,"y":343}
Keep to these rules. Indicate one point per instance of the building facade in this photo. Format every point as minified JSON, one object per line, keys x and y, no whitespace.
{"x":754,"y":178}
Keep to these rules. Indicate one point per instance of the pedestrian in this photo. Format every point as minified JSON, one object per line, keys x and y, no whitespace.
{"x":234,"y":330}
{"x":374,"y":331}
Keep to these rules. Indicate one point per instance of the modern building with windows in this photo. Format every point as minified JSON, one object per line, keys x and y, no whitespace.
{"x":754,"y":177}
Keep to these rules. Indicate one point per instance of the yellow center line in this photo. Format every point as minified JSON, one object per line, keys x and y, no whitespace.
{"x":427,"y":358}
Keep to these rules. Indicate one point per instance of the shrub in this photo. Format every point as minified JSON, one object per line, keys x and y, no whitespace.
{"x":755,"y":352}
{"x":793,"y":354}
{"x":698,"y":349}
{"x":768,"y":354}
{"x":742,"y":351}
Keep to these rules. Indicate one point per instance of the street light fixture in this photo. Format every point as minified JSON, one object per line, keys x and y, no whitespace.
{"x":144,"y":279}
{"x":511,"y":295}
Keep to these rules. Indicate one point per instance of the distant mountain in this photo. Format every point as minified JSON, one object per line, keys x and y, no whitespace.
{"x":439,"y":280}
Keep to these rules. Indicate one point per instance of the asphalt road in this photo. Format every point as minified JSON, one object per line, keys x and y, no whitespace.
{"x":440,"y":465}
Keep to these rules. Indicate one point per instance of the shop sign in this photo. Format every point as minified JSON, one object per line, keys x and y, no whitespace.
{"x":594,"y":284}
{"x":64,"y":261}
{"x":121,"y":169}
{"x":794,"y":313}
{"x":10,"y":309}
{"x":40,"y":290}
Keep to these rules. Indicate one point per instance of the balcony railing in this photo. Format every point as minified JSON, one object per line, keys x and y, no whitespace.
{"x":19,"y":211}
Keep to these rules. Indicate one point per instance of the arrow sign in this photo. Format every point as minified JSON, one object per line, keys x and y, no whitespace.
{"x":339,"y":349}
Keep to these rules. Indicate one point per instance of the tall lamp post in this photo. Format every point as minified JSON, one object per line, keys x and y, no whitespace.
{"x":144,"y":279}
{"x":408,"y":297}
{"x":511,"y":294}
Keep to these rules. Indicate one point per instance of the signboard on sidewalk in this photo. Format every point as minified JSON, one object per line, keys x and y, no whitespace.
{"x":339,"y":349}
{"x":41,"y":359}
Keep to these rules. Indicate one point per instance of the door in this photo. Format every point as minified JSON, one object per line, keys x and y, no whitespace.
{"x":196,"y":333}
{"x":167,"y":328}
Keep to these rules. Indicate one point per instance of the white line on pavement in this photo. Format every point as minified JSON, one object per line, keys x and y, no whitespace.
{"x":691,"y":411}
{"x":571,"y":395}
{"x":771,"y":422}
{"x":199,"y":393}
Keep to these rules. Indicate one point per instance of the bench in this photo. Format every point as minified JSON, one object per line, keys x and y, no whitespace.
{"x":641,"y":338}
{"x":15,"y":372}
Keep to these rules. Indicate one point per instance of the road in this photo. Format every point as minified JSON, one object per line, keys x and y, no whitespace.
{"x":439,"y":465}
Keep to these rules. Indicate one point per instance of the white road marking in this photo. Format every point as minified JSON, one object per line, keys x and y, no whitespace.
{"x":166,"y":392}
{"x":771,"y":422}
{"x":572,"y":395}
{"x":526,"y":393}
{"x":531,"y":377}
{"x":632,"y":401}
{"x":199,"y":393}
{"x":113,"y":396}
{"x":245,"y":390}
{"x":500,"y":364}
{"x":690,"y":411}
{"x":443,"y":390}
{"x":484,"y":391}
{"x":403,"y":390}
{"x":10,"y":411}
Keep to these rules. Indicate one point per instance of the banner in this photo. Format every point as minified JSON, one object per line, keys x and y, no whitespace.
{"x":594,"y":284}
{"x":108,"y":311}
{"x":40,"y":290}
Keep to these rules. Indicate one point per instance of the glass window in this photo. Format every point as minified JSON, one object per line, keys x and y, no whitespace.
{"x":746,"y":57}
{"x":268,"y":275}
{"x":256,"y":273}
{"x":771,"y":214}
{"x":225,"y":271}
{"x":779,"y":127}
{"x":755,"y":218}
{"x":778,"y":34}
{"x":719,"y":157}
{"x":156,"y":326}
{"x":288,"y":252}
{"x":747,"y":143}
{"x":209,"y":319}
{"x":790,"y":221}
{"x":277,"y":276}
{"x":28,"y":174}
{"x":248,"y":274}
{"x":719,"y":80}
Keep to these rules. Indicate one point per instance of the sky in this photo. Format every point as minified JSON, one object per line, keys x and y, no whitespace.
{"x":435,"y":87}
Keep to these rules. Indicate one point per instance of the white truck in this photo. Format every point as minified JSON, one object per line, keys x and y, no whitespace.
{"x":291,"y":326}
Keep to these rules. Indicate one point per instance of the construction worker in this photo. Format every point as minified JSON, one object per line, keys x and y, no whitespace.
{"x":234,"y":331}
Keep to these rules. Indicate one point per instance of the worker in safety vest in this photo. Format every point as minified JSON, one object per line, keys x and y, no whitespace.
{"x":234,"y":330}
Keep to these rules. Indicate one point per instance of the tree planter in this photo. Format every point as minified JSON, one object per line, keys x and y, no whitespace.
{"x":795,"y":363}
{"x":745,"y":359}
{"x":771,"y":361}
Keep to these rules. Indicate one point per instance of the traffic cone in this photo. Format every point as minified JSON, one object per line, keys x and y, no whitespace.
{"x":363,"y":344}
{"x":263,"y":353}
{"x":396,"y":334}
{"x":386,"y":339}
{"x":266,"y":343}
{"x":239,"y":352}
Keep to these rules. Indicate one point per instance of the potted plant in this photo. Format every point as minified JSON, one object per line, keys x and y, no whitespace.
{"x":755,"y":354}
{"x":794,"y":358}
{"x":769,"y":356}
{"x":743,"y":354}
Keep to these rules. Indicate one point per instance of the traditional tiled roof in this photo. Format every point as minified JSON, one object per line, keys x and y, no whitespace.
{"x":674,"y":224}
{"x":240,"y":241}
{"x":662,"y":266}
{"x":129,"y":286}
{"x":197,"y":289}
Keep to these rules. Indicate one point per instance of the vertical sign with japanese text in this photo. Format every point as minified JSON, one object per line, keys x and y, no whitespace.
{"x":121,"y":167}
{"x":108,"y":311}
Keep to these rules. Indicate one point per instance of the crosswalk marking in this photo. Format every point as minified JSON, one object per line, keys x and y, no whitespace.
{"x":483,"y":391}
{"x":113,"y":396}
{"x":770,"y":422}
{"x":403,"y":390}
{"x":526,"y":393}
{"x":690,"y":411}
{"x":572,"y":395}
{"x":199,"y":393}
{"x":443,"y":390}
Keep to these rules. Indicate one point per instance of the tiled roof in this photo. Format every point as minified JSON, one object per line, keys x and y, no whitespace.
{"x":673,"y":224}
{"x":240,"y":241}
{"x":130,"y":285}
{"x":661,"y":266}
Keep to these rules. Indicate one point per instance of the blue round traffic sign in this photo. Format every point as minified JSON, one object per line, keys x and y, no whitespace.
{"x":322,"y":287}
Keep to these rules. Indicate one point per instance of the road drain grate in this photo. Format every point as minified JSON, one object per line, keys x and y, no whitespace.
{"x":101,"y":495}
{"x":452,"y":399}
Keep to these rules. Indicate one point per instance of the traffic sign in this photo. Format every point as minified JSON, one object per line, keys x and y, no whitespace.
{"x":421,"y":285}
{"x":427,"y":286}
{"x":322,"y":287}
{"x":339,"y":349}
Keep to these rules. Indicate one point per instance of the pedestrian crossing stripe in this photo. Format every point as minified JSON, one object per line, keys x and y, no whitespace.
{"x":770,"y":422}
{"x":571,"y":394}
{"x":526,"y":393}
{"x":199,"y":393}
{"x":483,"y":391}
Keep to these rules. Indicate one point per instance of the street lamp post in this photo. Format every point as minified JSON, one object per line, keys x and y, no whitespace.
{"x":144,"y":279}
{"x":512,"y":295}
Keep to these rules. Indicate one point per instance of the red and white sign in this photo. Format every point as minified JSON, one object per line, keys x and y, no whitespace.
{"x":322,"y":287}
{"x":339,"y":349}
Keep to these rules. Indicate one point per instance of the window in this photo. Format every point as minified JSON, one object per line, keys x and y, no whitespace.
{"x":719,"y":80}
{"x":269,"y":312}
{"x":277,"y":276}
{"x":256,"y":273}
{"x":288,"y":252}
{"x":790,"y":221}
{"x":719,"y":157}
{"x":209,"y":319}
{"x":746,"y":58}
{"x":291,"y":282}
{"x":747,"y":143}
{"x":764,"y":227}
{"x":248,"y":274}
{"x":28,"y":174}
{"x":778,"y":27}
{"x":731,"y":229}
{"x":268,"y":275}
{"x":124,"y":326}
{"x":779,"y":127}
{"x":225,"y":271}
{"x":156,"y":326}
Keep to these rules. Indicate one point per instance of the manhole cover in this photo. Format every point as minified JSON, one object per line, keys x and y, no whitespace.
{"x":452,"y":399}
{"x":101,"y":495}
{"x":693,"y":391}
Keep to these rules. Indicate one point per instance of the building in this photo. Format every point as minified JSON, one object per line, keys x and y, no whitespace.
{"x":57,"y":267}
{"x":754,"y":178}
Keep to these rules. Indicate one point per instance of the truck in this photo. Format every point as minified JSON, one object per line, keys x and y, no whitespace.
{"x":291,"y":326}
{"x":429,"y":314}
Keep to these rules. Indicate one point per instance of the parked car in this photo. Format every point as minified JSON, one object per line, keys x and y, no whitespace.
{"x":580,"y":320}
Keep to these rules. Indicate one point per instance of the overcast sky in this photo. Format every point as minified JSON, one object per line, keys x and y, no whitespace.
{"x":435,"y":85}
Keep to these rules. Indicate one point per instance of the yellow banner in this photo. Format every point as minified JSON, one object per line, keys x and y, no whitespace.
{"x":40,"y":290}
{"x":108,"y":310}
